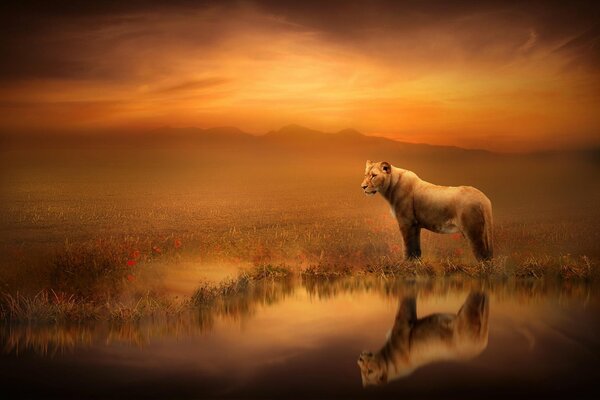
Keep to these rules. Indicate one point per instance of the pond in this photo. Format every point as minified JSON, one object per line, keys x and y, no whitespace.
{"x":353,"y":337}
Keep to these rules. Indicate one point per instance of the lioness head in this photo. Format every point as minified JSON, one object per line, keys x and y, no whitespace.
{"x":376,"y":175}
{"x":372,"y":370}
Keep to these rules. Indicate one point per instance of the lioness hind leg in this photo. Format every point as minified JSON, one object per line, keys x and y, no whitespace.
{"x":479,"y":247}
{"x":476,"y":229}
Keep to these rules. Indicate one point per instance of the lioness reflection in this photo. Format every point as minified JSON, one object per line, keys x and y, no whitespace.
{"x":414,"y":342}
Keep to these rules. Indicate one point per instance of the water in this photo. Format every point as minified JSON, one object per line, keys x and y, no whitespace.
{"x":304,"y":339}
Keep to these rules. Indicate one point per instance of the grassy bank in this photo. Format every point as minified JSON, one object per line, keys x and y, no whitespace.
{"x":101,"y":267}
{"x":117,"y":303}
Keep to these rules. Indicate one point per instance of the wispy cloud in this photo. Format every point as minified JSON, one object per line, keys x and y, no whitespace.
{"x":441,"y":72}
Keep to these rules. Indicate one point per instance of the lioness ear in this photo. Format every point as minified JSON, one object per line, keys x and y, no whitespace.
{"x":386,"y":167}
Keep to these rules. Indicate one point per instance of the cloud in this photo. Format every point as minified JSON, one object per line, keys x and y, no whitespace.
{"x":583,"y":50}
{"x":197,"y":84}
{"x":103,"y":41}
{"x":428,"y":68}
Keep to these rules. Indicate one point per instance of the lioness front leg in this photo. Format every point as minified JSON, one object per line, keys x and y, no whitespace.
{"x":412,"y":241}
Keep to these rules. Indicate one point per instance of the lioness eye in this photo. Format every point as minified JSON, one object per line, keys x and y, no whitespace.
{"x":374,"y":175}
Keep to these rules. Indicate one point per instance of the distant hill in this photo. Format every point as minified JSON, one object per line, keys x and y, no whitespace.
{"x":350,"y":140}
{"x":295,"y":136}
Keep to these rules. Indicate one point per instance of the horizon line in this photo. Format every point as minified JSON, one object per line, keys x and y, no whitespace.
{"x":71,"y":132}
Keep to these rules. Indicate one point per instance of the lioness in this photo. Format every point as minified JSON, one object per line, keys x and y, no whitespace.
{"x":419,"y":204}
{"x":414,"y":342}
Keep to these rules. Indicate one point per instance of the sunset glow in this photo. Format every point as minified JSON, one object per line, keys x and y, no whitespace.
{"x":493,"y":76}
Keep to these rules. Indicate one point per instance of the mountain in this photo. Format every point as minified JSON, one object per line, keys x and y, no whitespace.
{"x":292,"y":138}
{"x":349,"y":133}
{"x":289,"y":139}
{"x":295,"y":132}
{"x":299,"y":132}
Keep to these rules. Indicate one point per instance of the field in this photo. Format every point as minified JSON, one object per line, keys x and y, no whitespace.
{"x":90,"y":224}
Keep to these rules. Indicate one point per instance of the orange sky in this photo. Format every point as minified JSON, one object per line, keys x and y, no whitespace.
{"x":496,"y":76}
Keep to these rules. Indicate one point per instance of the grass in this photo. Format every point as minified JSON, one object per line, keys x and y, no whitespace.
{"x":49,"y":306}
{"x":91,"y":234}
{"x":118,"y":278}
{"x":101,"y":268}
{"x":564,"y":267}
{"x":46,"y":307}
{"x":207,"y":294}
{"x":88,"y":270}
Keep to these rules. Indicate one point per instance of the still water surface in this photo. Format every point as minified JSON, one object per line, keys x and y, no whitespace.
{"x":348,"y":338}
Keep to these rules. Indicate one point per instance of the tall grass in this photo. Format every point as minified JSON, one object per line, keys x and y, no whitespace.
{"x":52,"y":306}
{"x":88,"y":270}
{"x":46,"y":306}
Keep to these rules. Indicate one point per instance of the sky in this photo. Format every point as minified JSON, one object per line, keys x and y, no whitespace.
{"x":499,"y":75}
